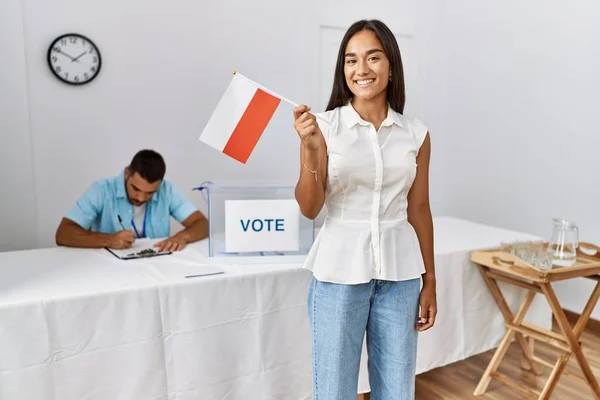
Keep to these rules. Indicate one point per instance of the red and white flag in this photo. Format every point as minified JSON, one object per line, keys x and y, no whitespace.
{"x":240,"y":118}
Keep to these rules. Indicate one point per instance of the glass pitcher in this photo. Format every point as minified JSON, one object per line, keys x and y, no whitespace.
{"x":563,"y":244}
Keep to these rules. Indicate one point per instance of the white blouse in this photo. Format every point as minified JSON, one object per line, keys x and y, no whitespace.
{"x":366,"y":234}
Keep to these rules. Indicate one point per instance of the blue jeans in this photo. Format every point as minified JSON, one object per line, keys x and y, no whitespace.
{"x":340,"y":314}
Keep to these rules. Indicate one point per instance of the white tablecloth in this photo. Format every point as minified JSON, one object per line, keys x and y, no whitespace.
{"x":81,"y":324}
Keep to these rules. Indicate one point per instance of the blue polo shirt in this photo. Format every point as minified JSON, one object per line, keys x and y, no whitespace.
{"x":99,"y":207}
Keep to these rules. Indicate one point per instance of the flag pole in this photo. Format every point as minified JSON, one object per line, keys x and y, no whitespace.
{"x":275,"y":94}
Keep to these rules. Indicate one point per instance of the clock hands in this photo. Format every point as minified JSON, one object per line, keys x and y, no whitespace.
{"x":66,"y":54}
{"x":78,"y":57}
{"x":73,"y":59}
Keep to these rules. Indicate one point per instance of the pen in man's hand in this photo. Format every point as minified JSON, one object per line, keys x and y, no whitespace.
{"x":121,"y":222}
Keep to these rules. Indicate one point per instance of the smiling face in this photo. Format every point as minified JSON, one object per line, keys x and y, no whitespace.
{"x":366,"y":66}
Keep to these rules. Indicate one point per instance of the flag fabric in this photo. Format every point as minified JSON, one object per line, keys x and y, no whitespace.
{"x":238,"y":122}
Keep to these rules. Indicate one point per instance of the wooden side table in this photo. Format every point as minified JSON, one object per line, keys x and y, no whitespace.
{"x":497,"y":266}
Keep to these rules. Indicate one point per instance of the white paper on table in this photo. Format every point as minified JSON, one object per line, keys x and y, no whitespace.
{"x":141,"y":248}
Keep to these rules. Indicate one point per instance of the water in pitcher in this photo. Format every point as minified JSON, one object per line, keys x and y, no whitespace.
{"x":564,"y":242}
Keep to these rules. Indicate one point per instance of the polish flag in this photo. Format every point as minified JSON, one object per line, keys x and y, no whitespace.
{"x":240,"y":118}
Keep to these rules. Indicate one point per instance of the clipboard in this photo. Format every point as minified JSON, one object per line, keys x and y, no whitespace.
{"x":142,"y":248}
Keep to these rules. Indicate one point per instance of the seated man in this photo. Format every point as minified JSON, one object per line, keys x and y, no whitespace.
{"x":136,"y":204}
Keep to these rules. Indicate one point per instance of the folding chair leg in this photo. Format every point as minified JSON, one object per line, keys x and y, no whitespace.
{"x":485,"y":380}
{"x":573,"y":340}
{"x":554,"y":376}
{"x":527,"y":362}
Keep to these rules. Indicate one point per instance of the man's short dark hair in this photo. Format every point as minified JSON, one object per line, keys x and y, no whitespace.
{"x":149,"y":164}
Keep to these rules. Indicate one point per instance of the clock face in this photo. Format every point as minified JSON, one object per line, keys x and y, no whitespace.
{"x":74,"y":59}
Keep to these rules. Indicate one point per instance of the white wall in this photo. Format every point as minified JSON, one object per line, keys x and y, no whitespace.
{"x":165,"y":66}
{"x":522,"y":81}
{"x":18,"y":225}
{"x":504,"y":87}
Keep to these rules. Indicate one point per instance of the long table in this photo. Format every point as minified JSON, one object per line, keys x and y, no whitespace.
{"x":82,"y":324}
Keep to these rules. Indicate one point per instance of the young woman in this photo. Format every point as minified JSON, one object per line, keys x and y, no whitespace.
{"x":369,"y":164}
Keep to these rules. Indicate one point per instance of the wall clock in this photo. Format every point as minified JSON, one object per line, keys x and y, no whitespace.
{"x":74,"y":59}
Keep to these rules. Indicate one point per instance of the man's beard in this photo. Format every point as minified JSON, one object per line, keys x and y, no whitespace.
{"x":136,"y":203}
{"x":132,"y":201}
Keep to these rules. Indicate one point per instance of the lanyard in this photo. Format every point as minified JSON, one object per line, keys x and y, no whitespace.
{"x":137,"y":234}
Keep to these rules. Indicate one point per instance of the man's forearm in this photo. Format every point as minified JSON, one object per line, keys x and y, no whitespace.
{"x":78,"y":237}
{"x":197,"y":231}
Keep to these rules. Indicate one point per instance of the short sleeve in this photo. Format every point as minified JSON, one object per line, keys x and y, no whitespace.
{"x":420,"y":131}
{"x":179,"y":207}
{"x":88,"y":207}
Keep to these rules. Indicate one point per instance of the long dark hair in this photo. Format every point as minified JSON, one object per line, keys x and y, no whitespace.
{"x":340,"y":94}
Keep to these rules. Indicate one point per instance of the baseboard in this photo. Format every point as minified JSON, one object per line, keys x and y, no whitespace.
{"x":592,"y":325}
